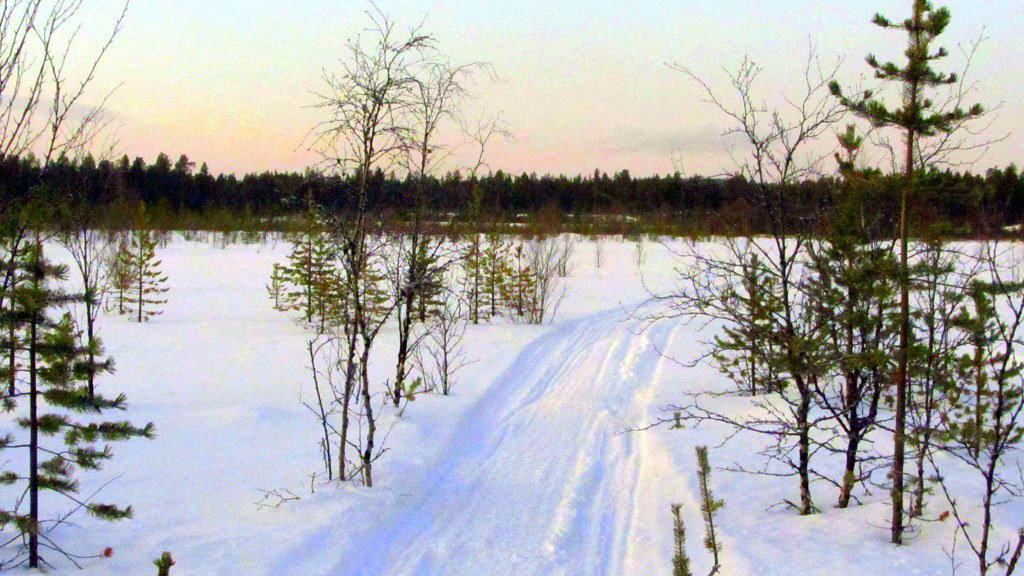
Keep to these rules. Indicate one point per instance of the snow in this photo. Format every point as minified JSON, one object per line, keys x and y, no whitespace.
{"x":526,"y":469}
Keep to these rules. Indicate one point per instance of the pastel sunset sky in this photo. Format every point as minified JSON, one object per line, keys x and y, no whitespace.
{"x":583,"y":85}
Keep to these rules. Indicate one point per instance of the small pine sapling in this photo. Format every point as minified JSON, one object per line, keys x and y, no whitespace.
{"x":745,"y":351}
{"x":163,"y":564}
{"x":472,"y":277}
{"x":983,"y":422}
{"x":311,"y":276}
{"x":680,"y":561}
{"x":709,"y":506}
{"x":430,"y":288}
{"x":519,"y":290}
{"x":497,"y":272}
{"x":147,"y":280}
{"x":120,"y":277}
{"x":276,"y":287}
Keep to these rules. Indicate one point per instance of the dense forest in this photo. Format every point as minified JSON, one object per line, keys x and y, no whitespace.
{"x":177,"y":195}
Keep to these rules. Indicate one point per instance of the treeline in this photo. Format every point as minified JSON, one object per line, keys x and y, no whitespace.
{"x":177,"y":195}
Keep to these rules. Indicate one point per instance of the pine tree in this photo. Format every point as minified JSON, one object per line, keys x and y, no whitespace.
{"x":473,"y":277}
{"x":163,"y":564}
{"x":429,"y":292}
{"x":57,"y":389}
{"x":277,"y":286}
{"x":917,"y":118}
{"x":680,"y":560}
{"x":970,"y":405}
{"x":120,"y":273}
{"x":709,"y":506}
{"x":311,"y":282}
{"x":853,"y":287}
{"x":940,"y":298}
{"x":13,"y":275}
{"x":147,"y":280}
{"x":746,"y":352}
{"x":983,"y":421}
{"x":519,"y":290}
{"x":497,"y":269}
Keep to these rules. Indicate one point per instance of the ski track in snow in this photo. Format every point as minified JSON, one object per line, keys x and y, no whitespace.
{"x":538,"y":473}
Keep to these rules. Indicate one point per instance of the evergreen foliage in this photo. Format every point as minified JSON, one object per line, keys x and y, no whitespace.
{"x":311,"y":282}
{"x":178,"y":198}
{"x":747,"y":352}
{"x":940,"y":295}
{"x":147,"y":286}
{"x":680,"y":560}
{"x":853,"y":285}
{"x":709,"y":506}
{"x":519,"y":290}
{"x":276,"y":287}
{"x":497,"y":272}
{"x":57,"y":395}
{"x":163,"y":564}
{"x":988,"y":374}
{"x":13,"y":243}
{"x":430,"y":285}
{"x":917,"y":118}
{"x":120,"y":272}
{"x":473,"y":277}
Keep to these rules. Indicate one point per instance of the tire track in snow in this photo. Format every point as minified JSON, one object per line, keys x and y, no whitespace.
{"x":538,"y":482}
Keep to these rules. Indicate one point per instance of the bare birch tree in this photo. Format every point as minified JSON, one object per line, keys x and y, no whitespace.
{"x":780,"y":155}
{"x":366,"y":106}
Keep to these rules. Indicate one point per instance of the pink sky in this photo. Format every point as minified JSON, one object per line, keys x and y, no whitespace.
{"x":583,"y":85}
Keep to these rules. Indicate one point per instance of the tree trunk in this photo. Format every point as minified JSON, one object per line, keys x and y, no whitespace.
{"x":141,"y":273}
{"x":917,"y":506}
{"x":804,"y":464}
{"x":90,"y":320}
{"x":346,"y":401}
{"x":371,"y":424}
{"x":33,"y":482}
{"x":850,"y":472}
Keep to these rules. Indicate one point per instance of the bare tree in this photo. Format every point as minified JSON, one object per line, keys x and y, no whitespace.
{"x":442,"y":356}
{"x":90,"y":252}
{"x":482,"y":134}
{"x":322,"y":352}
{"x":545,"y":258}
{"x":421,"y":257}
{"x":366,"y":129}
{"x":566,"y":251}
{"x":780,"y":154}
{"x":42,"y":105}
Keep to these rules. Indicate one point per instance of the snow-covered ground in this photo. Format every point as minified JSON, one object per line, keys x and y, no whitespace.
{"x":524,"y":470}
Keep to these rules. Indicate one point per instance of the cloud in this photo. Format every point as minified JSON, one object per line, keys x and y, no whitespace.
{"x":668,"y":142}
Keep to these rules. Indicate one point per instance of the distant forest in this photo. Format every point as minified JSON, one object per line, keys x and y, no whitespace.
{"x":177,"y":195}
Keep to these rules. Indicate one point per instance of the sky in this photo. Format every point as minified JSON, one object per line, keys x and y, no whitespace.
{"x":583,"y":85}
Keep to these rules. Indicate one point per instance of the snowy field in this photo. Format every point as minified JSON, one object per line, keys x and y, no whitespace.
{"x":523,"y":470}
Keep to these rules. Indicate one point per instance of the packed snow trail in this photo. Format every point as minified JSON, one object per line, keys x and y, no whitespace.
{"x":539,"y":479}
